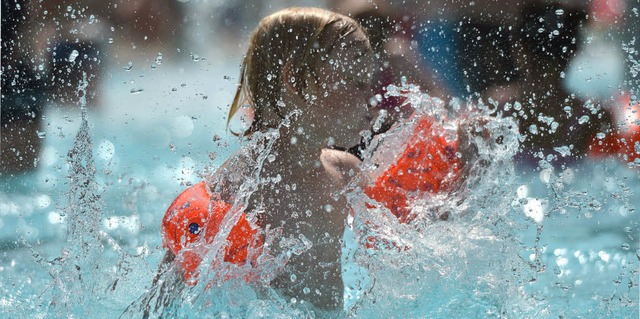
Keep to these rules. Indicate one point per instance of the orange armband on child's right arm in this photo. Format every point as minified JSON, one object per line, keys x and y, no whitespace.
{"x":194,"y":213}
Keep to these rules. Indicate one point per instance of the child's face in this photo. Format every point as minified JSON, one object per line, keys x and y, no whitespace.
{"x":343,"y":90}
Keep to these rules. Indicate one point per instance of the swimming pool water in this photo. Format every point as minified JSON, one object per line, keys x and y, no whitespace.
{"x":527,"y":242}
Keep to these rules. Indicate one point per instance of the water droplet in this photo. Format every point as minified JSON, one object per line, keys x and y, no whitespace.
{"x":559,"y":12}
{"x":69,"y":8}
{"x":625,"y":210}
{"x":583,"y":119}
{"x":136,"y":90}
{"x":563,"y":150}
{"x":271,"y":158}
{"x":328,"y":208}
{"x":568,"y":110}
{"x":74,"y":54}
{"x":128,"y":66}
{"x":159,"y":58}
{"x":41,"y":134}
{"x":293,"y":277}
{"x":92,"y":19}
{"x":604,"y":256}
{"x":626,"y":246}
{"x":600,"y":135}
{"x":110,"y":40}
{"x":306,"y":290}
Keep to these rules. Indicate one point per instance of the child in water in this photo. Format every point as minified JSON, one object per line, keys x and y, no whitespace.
{"x":313,"y":67}
{"x":306,"y":77}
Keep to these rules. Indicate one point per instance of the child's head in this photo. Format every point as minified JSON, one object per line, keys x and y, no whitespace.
{"x":294,"y":51}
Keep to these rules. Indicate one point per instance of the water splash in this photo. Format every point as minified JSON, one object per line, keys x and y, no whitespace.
{"x":77,"y":269}
{"x":430,"y":256}
{"x":471,"y":258}
{"x":221,"y":287}
{"x":474,"y":264}
{"x":87,"y":280}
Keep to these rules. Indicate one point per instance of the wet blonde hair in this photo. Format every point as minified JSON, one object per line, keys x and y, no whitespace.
{"x":300,"y":37}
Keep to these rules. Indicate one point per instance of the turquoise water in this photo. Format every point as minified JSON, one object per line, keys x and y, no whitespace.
{"x":80,"y":235}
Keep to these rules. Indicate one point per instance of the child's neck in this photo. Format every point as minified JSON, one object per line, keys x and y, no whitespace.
{"x":293,"y":155}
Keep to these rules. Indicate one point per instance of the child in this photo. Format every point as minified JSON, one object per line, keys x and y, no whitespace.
{"x":316,"y":65}
{"x":311,"y":67}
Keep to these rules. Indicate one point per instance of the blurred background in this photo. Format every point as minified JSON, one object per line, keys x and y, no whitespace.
{"x":155,"y":80}
{"x":131,"y":51}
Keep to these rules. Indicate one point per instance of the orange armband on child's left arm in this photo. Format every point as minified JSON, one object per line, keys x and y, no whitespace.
{"x":428,"y":164}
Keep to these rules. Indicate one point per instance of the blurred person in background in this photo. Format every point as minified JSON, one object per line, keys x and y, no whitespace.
{"x":24,"y":91}
{"x":448,"y":47}
{"x":557,"y":126}
{"x":601,"y":72}
{"x":465,"y":42}
{"x":86,"y":37}
{"x":72,"y":35}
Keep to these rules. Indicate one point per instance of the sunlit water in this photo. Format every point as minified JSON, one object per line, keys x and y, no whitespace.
{"x":80,"y":236}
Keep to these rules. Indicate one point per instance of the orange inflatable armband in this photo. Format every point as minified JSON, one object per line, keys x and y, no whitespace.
{"x":428,"y":164}
{"x":189,"y":217}
{"x":625,"y":141}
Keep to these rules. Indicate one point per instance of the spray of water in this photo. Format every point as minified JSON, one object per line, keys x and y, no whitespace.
{"x":85,"y":277}
{"x":460,"y":255}
{"x":465,"y":266}
{"x":472,"y":257}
